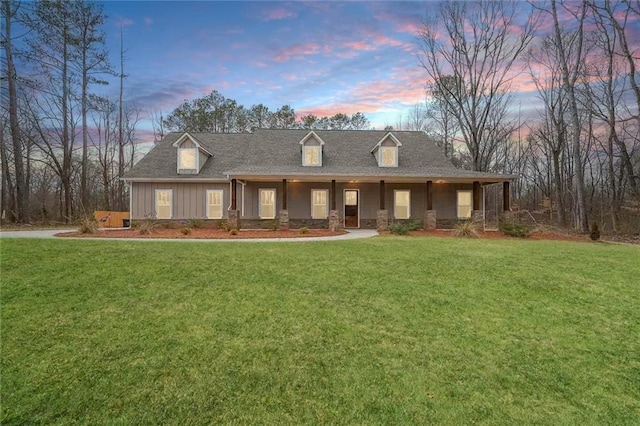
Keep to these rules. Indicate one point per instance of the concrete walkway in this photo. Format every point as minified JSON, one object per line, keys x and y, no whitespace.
{"x":352,"y":234}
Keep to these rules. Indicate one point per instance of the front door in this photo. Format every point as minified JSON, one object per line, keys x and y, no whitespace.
{"x":351,"y":208}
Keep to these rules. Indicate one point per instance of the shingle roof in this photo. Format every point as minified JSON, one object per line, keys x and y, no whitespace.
{"x":278,"y":153}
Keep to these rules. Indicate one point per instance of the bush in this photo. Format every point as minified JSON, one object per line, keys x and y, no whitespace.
{"x":399,"y":228}
{"x":144,"y":227}
{"x":514,"y":229}
{"x":595,"y":232}
{"x":466,"y":228}
{"x":233,"y":231}
{"x":304,"y":230}
{"x":195,"y":223}
{"x":185,"y":231}
{"x":225,"y":225}
{"x":88,"y":225}
{"x":274,"y":225}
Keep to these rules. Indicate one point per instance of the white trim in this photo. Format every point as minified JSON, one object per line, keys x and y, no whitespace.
{"x":395,"y":204}
{"x":390,"y":136}
{"x":275,"y":200}
{"x":206,"y":203}
{"x":309,"y":135}
{"x":130,"y":203}
{"x":193,"y":140}
{"x":344,"y":204}
{"x":326,"y":204}
{"x":155,"y":203}
{"x":458,"y":203}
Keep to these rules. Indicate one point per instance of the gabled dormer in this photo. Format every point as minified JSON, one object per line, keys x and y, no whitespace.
{"x":191,"y":155}
{"x":386,"y":151}
{"x":311,"y":148}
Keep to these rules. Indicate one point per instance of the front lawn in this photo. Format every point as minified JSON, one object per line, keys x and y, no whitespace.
{"x":381,"y":331}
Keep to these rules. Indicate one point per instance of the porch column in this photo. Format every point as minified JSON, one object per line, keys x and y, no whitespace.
{"x":382,"y":217}
{"x":430,"y":218}
{"x":234,"y":214}
{"x":476,"y":213}
{"x":506,"y":203}
{"x":334,"y":217}
{"x":283,"y":215}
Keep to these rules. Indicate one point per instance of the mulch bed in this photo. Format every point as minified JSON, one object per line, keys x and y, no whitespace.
{"x":204,"y":233}
{"x":496,"y":235}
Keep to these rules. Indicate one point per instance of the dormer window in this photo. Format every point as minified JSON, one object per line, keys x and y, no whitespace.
{"x":388,"y":156}
{"x":312,"y":156}
{"x":187,"y":158}
{"x":386,"y":151}
{"x":312,"y":150}
{"x":191,"y":155}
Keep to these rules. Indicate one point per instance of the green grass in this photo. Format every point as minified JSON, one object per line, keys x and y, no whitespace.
{"x":390,"y":330}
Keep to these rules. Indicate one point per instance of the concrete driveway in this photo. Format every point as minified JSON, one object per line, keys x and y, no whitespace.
{"x":351,"y":234}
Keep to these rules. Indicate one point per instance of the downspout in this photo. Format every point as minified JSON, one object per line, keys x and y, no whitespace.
{"x":130,"y":184}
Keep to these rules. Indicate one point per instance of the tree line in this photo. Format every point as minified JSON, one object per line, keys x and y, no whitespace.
{"x":578,"y":157}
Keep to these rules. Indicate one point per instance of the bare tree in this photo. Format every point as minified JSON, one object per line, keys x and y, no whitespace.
{"x":472,"y":44}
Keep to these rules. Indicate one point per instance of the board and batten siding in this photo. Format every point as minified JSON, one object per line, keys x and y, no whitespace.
{"x":188,"y":202}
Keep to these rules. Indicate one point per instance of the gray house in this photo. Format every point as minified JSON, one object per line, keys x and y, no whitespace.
{"x":352,"y":179}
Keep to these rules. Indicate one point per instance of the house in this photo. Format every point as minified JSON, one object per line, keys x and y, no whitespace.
{"x":351,"y":179}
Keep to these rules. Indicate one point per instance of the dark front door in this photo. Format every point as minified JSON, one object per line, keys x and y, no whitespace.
{"x":351,"y":208}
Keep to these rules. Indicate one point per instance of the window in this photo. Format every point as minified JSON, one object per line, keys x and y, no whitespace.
{"x":464,"y":204}
{"x":214,"y":204}
{"x":351,"y":198}
{"x":267,"y":204}
{"x":319,"y":203}
{"x":163,"y":204}
{"x":388,"y":156}
{"x":187,"y":158}
{"x":402,"y":204}
{"x":312,"y":156}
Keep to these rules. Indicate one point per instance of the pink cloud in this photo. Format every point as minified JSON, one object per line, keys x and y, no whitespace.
{"x":278,"y":14}
{"x":297,"y":51}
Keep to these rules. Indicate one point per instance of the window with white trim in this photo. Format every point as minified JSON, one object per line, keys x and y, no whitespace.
{"x":319,"y":203}
{"x":388,"y":156}
{"x":214,"y":204}
{"x":267,"y":204}
{"x":312,"y":155}
{"x":402,"y":204}
{"x":187,"y":158}
{"x":465,"y":204}
{"x":164,"y":208}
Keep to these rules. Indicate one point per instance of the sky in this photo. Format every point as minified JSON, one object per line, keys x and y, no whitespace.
{"x":321,"y":58}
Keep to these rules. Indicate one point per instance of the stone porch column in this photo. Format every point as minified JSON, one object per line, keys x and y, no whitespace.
{"x":234,"y":219}
{"x":430,"y":220}
{"x":283,"y":218}
{"x":382,"y":220}
{"x":334,"y":220}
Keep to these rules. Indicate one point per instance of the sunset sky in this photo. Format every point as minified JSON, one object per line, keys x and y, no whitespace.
{"x":319,"y":57}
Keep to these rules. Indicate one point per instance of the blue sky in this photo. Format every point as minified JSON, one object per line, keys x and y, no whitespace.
{"x":319,"y":57}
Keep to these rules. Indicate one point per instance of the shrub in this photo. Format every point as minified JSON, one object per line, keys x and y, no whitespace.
{"x":514,"y":229}
{"x":224,"y":225}
{"x":304,"y":230}
{"x":399,"y":228}
{"x":233,"y":231}
{"x":167,"y":224}
{"x":466,"y":228}
{"x":413,"y":224}
{"x":195,"y":223}
{"x":595,"y":232}
{"x":185,"y":231}
{"x":88,"y":225}
{"x":144,"y":227}
{"x":274,"y":225}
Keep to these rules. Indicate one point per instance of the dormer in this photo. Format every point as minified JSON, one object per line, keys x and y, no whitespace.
{"x":191,"y":155}
{"x":311,"y":147}
{"x":386,"y":151}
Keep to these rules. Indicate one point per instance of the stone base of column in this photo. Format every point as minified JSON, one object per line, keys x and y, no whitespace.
{"x":477,"y":217}
{"x":334,"y":221}
{"x":430,"y":220}
{"x":382,"y":220}
{"x":234,"y":219}
{"x":283,"y":218}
